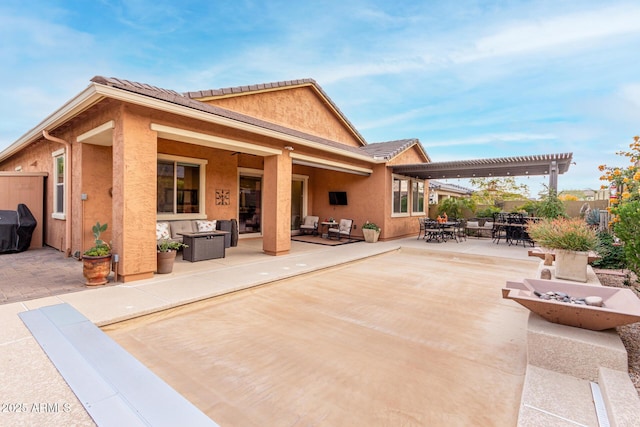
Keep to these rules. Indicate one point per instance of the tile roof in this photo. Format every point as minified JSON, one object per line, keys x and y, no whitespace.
{"x":454,"y":188}
{"x":237,"y":90}
{"x":390,"y":149}
{"x":180,"y":99}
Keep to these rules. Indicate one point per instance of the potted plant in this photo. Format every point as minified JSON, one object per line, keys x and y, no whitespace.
{"x":167,"y":250}
{"x":571,"y":240}
{"x":96,"y":261}
{"x":371,"y":232}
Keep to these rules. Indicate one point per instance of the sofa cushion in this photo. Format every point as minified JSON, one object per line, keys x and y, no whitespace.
{"x":473,"y":224}
{"x":206,"y":225}
{"x":185,"y":226}
{"x":162,"y":231}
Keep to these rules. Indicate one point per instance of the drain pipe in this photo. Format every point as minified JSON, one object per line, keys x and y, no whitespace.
{"x":67,"y":183}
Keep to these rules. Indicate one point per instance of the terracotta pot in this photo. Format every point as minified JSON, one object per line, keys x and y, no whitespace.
{"x":571,"y":265}
{"x":165,"y":262}
{"x":370,"y":235}
{"x":96,"y":269}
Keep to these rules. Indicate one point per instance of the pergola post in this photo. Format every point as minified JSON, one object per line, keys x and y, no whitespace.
{"x":553,"y":176}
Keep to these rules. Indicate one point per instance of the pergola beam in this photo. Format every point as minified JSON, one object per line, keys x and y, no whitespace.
{"x":546,"y":164}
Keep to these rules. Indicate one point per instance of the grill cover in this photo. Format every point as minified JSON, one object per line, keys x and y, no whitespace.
{"x":16,"y":229}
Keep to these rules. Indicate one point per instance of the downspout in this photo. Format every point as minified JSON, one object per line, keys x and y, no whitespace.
{"x":67,"y":181}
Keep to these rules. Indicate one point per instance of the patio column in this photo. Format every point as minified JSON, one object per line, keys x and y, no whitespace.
{"x":276,"y":202}
{"x":134,"y":197}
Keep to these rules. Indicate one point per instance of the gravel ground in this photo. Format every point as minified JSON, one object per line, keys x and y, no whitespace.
{"x":630,"y":334}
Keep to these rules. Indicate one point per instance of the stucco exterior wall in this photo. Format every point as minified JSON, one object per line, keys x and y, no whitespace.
{"x":119,"y":180}
{"x":28,"y":189}
{"x":37,"y":158}
{"x":298,"y":108}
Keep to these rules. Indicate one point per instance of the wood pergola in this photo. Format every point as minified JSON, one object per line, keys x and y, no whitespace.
{"x":543,"y":164}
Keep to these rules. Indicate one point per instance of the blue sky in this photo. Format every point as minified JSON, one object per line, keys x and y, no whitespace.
{"x":470,"y":79}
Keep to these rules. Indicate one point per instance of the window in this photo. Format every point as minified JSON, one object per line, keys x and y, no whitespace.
{"x":400,"y":195}
{"x":180,"y":186}
{"x":408,"y":196}
{"x":58,"y":184}
{"x":417,"y":196}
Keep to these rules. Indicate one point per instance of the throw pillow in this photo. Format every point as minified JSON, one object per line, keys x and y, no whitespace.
{"x":162,"y":231}
{"x":206,"y":225}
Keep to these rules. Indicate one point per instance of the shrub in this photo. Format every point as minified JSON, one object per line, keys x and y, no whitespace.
{"x":100,"y":247}
{"x":529,"y":207}
{"x":370,"y":226}
{"x":166,"y":245}
{"x":627,"y":228}
{"x":611,"y":253}
{"x":593,"y":217}
{"x":454,"y":206}
{"x":563,"y":233}
{"x":487,"y":212}
{"x":550,"y":206}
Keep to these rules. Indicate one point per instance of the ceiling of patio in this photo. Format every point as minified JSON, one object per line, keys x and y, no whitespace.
{"x":542,"y":164}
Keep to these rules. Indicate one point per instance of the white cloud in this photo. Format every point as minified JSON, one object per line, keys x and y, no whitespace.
{"x":492,"y":138}
{"x":547,"y":34}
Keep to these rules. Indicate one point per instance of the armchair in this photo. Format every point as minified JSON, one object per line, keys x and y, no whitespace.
{"x":310,"y":225}
{"x":343,"y":230}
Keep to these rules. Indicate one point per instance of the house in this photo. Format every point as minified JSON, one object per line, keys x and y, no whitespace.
{"x":131,"y":154}
{"x":439,"y":190}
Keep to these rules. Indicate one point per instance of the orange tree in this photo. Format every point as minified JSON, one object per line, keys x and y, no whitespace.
{"x":625,"y":203}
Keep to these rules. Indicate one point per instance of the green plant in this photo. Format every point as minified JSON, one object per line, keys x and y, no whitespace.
{"x":550,"y":206}
{"x":100,"y":247}
{"x":562,"y":233}
{"x":593,"y":217}
{"x":166,"y":245}
{"x":611,"y":253}
{"x":370,"y":226}
{"x":530,"y":207}
{"x":454,"y":206}
{"x":627,"y":228}
{"x":487,"y":212}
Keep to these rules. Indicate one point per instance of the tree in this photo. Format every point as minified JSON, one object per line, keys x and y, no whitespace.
{"x":550,"y":206}
{"x":624,"y":202}
{"x":454,"y":206}
{"x":491,"y":190}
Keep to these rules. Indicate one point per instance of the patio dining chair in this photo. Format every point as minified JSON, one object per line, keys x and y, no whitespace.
{"x":343,"y":230}
{"x":422,"y":232}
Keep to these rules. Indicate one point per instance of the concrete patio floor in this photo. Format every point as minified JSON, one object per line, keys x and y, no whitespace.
{"x":29,"y":377}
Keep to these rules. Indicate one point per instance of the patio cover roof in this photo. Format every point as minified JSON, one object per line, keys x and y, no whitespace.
{"x":543,"y":164}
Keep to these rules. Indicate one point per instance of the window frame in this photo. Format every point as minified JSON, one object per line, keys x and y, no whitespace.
{"x":201,"y":163}
{"x":415,"y":212}
{"x":56,"y":213}
{"x":393,"y":195}
{"x":410,"y":196}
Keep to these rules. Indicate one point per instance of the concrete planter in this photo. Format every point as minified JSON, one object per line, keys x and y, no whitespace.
{"x":370,"y":235}
{"x":571,"y":265}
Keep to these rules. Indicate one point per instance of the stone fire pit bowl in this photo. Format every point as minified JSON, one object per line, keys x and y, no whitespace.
{"x":620,"y":306}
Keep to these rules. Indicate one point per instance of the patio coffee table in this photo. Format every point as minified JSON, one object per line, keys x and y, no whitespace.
{"x":203,"y":245}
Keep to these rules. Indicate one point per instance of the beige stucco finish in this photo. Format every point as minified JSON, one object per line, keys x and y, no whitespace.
{"x":117,"y":174}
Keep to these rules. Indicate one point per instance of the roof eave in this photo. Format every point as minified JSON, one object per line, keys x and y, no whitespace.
{"x":96,"y":92}
{"x":76,"y":105}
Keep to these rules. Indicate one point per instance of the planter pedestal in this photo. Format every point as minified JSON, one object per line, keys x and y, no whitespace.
{"x":571,"y":265}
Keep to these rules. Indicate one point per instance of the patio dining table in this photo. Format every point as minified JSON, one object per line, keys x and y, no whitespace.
{"x":436,"y":231}
{"x":514,"y":231}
